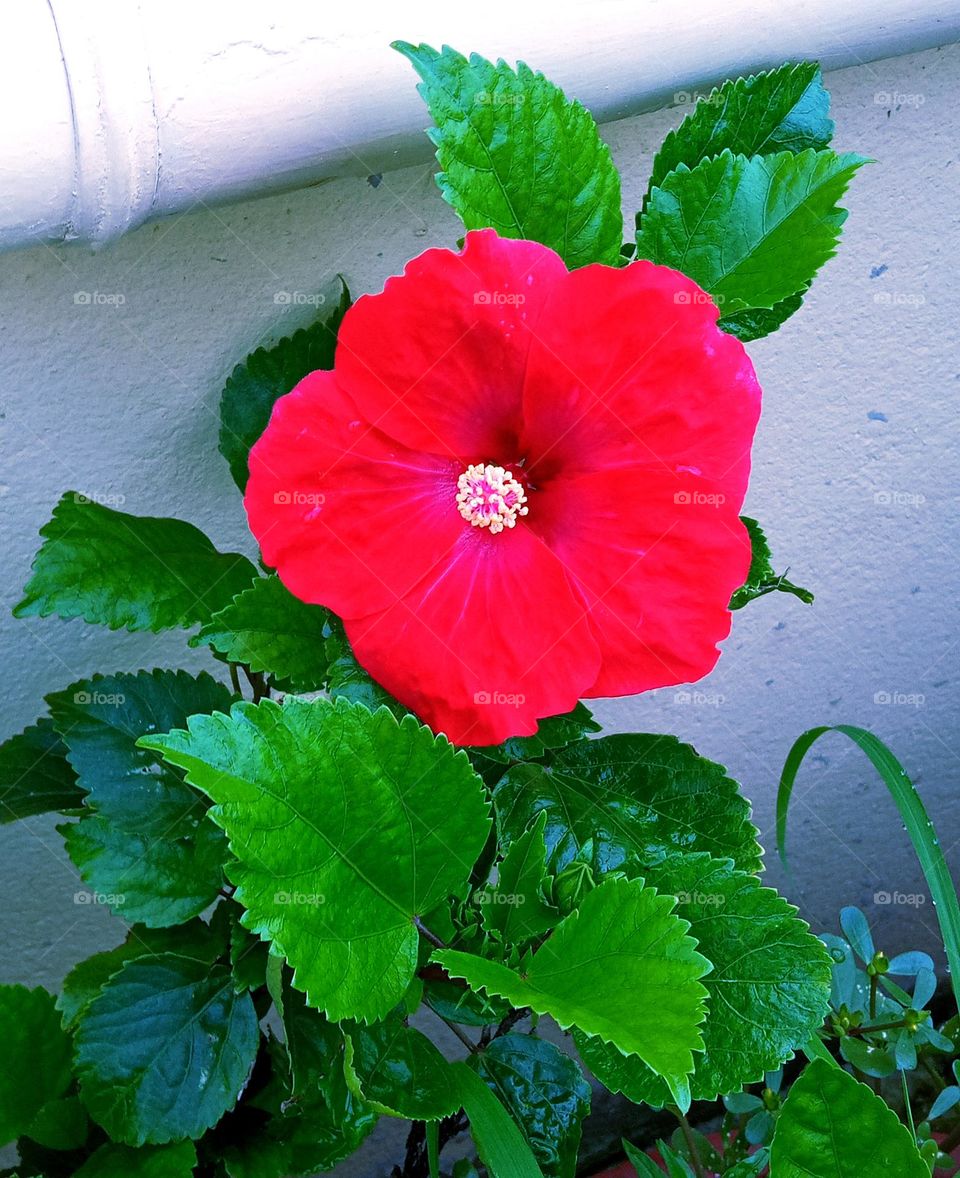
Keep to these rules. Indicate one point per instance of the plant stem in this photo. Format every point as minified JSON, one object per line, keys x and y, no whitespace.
{"x":235,"y":679}
{"x":874,"y":982}
{"x":894,"y":1026}
{"x":468,"y":1043}
{"x":431,"y":937}
{"x":906,"y":1104}
{"x":691,"y":1141}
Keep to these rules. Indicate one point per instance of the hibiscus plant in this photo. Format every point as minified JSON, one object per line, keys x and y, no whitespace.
{"x":510,"y":481}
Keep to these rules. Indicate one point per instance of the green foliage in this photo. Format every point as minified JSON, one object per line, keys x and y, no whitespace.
{"x":127,"y":571}
{"x":400,"y":1072}
{"x":35,"y":776}
{"x":761,"y":579}
{"x":832,"y":1126}
{"x":518,"y":156}
{"x":120,"y":1161}
{"x":500,"y":1144}
{"x":36,"y":1059}
{"x":267,"y":374}
{"x":515,"y":909}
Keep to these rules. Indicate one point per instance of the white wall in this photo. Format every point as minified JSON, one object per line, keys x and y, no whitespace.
{"x":860,"y":390}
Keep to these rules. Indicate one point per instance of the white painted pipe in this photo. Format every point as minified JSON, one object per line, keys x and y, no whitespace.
{"x":116,"y":111}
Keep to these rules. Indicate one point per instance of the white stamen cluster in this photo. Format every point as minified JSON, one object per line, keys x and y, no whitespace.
{"x":490,"y":497}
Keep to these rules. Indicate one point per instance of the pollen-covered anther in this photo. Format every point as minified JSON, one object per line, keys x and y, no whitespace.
{"x":489,"y":496}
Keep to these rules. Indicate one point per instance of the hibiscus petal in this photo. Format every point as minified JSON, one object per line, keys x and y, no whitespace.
{"x":437,"y":359}
{"x":656,"y":561}
{"x":629,"y":368}
{"x":349,"y":518}
{"x":490,"y":643}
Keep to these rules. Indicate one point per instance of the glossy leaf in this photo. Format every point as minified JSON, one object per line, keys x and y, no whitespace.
{"x":346,"y":826}
{"x":554,"y":732}
{"x":761,"y":579}
{"x":36,"y":1058}
{"x":165,"y":1049}
{"x":267,"y":374}
{"x":604,"y":969}
{"x":127,"y":571}
{"x":518,"y":156}
{"x":515,"y":908}
{"x":400,"y":1072}
{"x":628,"y":799}
{"x":768,"y":990}
{"x":35,"y":776}
{"x":500,"y":1144}
{"x":832,"y":1126}
{"x":120,"y":1161}
{"x":544,"y":1091}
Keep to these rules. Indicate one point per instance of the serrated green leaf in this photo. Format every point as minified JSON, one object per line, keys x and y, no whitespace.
{"x":545,"y":1093}
{"x":400,"y":1072}
{"x":500,"y":1144}
{"x":456,"y":1003}
{"x":515,"y":909}
{"x":346,"y":826}
{"x":554,"y":732}
{"x":751,"y":232}
{"x":832,"y":1126}
{"x":165,"y":1049}
{"x":267,"y":374}
{"x":120,"y":1161}
{"x":127,"y":571}
{"x":628,"y":799}
{"x":35,"y":776}
{"x":756,"y":322}
{"x":270,"y":630}
{"x":761,"y":578}
{"x":36,"y":1058}
{"x":606,"y":968}
{"x":518,"y":156}
{"x":768,"y":990}
{"x":785,"y":109}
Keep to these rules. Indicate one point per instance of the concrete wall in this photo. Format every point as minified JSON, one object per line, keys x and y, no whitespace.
{"x":855,"y":480}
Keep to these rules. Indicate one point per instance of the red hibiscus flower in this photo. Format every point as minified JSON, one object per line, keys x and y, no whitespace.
{"x":519,"y":486}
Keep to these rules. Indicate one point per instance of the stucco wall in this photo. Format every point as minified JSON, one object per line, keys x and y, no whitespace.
{"x":855,"y":480}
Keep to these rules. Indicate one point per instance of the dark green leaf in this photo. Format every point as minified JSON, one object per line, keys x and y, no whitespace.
{"x":628,"y":799}
{"x":751,"y":232}
{"x":120,"y":1161}
{"x":515,"y":909}
{"x":349,"y":681}
{"x":165,"y":1049}
{"x":400,"y":1072}
{"x":518,"y":156}
{"x":270,"y":630}
{"x":346,"y":826}
{"x":780,"y":110}
{"x":621,"y":956}
{"x":768,"y":990}
{"x":500,"y":1144}
{"x":458,"y":1004}
{"x":35,"y":776}
{"x":761,"y":578}
{"x":552,"y":733}
{"x":757,"y":322}
{"x":267,"y":374}
{"x":36,"y":1058}
{"x":832,"y":1126}
{"x":128,"y":571}
{"x":61,"y":1124}
{"x":545,"y":1093}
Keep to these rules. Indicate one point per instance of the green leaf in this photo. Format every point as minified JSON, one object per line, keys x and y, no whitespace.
{"x":346,"y":826}
{"x":267,"y":374}
{"x":621,"y":968}
{"x":270,"y":630}
{"x":350,"y":682}
{"x":400,"y":1072}
{"x":456,"y":1003}
{"x":761,"y":579}
{"x":120,"y":1161}
{"x":165,"y":1049}
{"x":644,"y":1165}
{"x":545,"y":1093}
{"x":127,"y":571}
{"x":779,"y":110}
{"x":554,"y":732}
{"x":628,"y":799}
{"x":756,"y":322}
{"x":500,"y":1144}
{"x":914,"y":815}
{"x":35,"y":776}
{"x":36,"y":1058}
{"x":518,"y":156}
{"x":832,"y":1126}
{"x":751,"y":232}
{"x":515,"y":908}
{"x":61,"y":1124}
{"x":768,"y":990}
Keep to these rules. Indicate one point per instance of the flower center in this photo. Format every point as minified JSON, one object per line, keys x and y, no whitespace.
{"x":490,"y":497}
